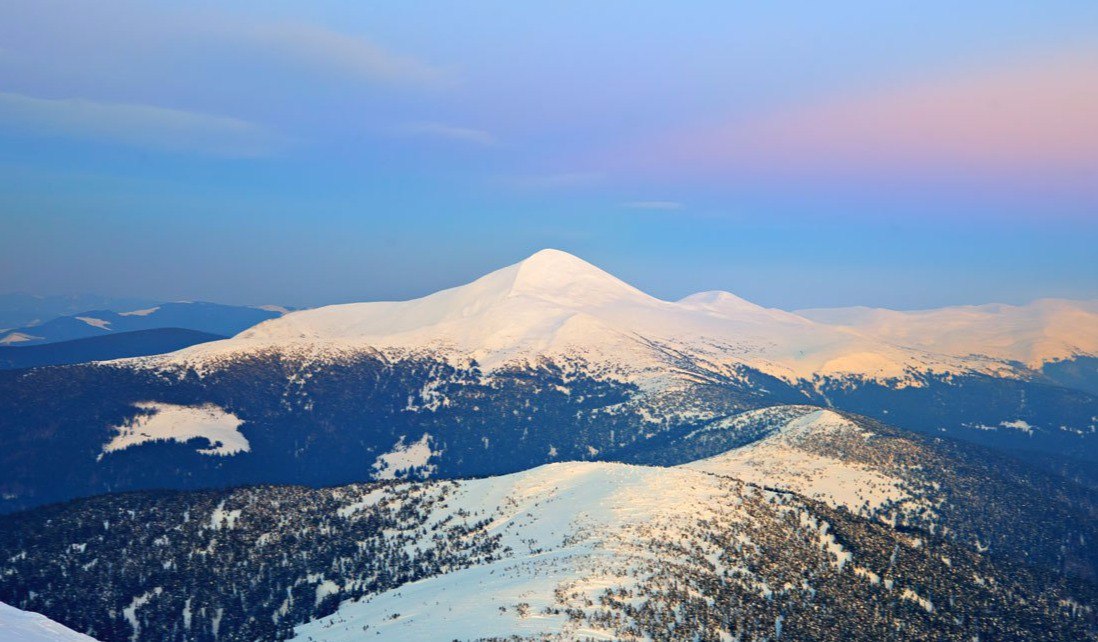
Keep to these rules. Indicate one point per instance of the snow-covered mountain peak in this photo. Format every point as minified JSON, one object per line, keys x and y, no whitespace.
{"x":566,"y":279}
{"x":723,"y":304}
{"x":718,"y":300}
{"x":524,"y":307}
{"x":556,"y":306}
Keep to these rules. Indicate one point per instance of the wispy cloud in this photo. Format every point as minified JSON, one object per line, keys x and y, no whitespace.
{"x":143,"y":126}
{"x":449,"y":132}
{"x":333,"y":51}
{"x":553,"y":181}
{"x":1025,"y":124}
{"x":653,"y":205}
{"x":140,"y":41}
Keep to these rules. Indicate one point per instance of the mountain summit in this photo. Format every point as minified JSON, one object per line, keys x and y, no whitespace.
{"x":556,"y":306}
{"x":541,"y":361}
{"x":568,"y":280}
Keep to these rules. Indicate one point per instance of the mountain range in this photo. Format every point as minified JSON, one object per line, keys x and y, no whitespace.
{"x":19,"y":309}
{"x":827,"y":527}
{"x":548,"y":453}
{"x":547,"y":360}
{"x":116,"y":345}
{"x":212,"y":318}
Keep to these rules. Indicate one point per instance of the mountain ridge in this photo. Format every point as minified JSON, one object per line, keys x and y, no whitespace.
{"x":1036,"y":333}
{"x":562,"y":551}
{"x":555,"y":304}
{"x":519,"y":368}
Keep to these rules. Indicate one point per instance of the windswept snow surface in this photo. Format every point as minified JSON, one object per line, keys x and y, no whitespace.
{"x":782,"y":460}
{"x":1037,"y":333}
{"x":574,"y":530}
{"x":170,"y":422}
{"x":24,"y":626}
{"x":558,"y":306}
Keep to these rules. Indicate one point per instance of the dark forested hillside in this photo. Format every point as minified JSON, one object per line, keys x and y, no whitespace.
{"x":138,"y":343}
{"x":318,"y":421}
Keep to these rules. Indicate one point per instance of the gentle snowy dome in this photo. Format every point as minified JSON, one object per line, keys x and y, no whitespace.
{"x":555,"y":305}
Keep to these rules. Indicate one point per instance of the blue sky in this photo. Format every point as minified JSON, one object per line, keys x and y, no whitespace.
{"x":798,"y":154}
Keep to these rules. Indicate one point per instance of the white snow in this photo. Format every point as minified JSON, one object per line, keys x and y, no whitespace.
{"x":365,"y":501}
{"x":221,"y":518}
{"x":170,"y":422}
{"x":404,"y":456}
{"x":1042,"y":331}
{"x":273,"y":308}
{"x":912,"y":596}
{"x":574,"y":530}
{"x":96,"y":323}
{"x":139,"y":313}
{"x":1020,"y":425}
{"x":130,"y":612}
{"x":780,"y":461}
{"x":17,"y":337}
{"x":556,"y":305}
{"x":24,"y":626}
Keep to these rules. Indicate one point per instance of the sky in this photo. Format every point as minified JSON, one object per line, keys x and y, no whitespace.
{"x":798,"y":154}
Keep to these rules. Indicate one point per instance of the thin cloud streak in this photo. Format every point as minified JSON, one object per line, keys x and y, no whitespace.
{"x":67,"y":37}
{"x":450,"y":132}
{"x":653,"y":205}
{"x":325,"y":49}
{"x":564,"y":180}
{"x":134,"y":125}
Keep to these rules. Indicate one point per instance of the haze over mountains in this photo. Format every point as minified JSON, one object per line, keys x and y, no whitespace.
{"x":98,"y":335}
{"x":22,"y":309}
{"x":212,"y":318}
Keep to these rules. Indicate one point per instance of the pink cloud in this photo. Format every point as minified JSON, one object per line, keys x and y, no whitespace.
{"x":1032,"y":126}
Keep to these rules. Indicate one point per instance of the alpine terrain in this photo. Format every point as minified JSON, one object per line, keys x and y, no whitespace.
{"x":548,"y":453}
{"x":826,"y":527}
{"x":547,"y":360}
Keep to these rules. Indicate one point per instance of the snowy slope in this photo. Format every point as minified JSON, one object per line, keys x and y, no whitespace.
{"x":1034,"y":334}
{"x":902,"y":479}
{"x":574,"y":525}
{"x":786,"y":459}
{"x":576,"y":530}
{"x":586,"y":550}
{"x":598,"y":550}
{"x":557,"y":306}
{"x":23,"y":626}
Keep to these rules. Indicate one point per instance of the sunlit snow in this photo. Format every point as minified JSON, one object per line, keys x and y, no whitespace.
{"x":24,"y":626}
{"x":170,"y":422}
{"x":556,"y":305}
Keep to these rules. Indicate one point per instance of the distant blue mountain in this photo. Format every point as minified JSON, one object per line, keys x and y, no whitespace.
{"x":18,"y":309}
{"x":117,"y":345}
{"x":212,"y":318}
